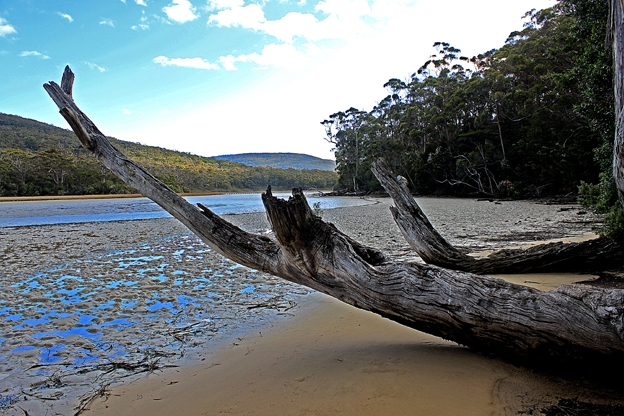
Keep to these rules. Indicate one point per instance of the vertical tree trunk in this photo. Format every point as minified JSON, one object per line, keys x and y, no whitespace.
{"x":616,"y":38}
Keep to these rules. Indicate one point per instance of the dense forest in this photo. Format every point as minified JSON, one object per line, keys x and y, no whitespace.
{"x":281,"y":160}
{"x":532,"y":118}
{"x":41,"y":159}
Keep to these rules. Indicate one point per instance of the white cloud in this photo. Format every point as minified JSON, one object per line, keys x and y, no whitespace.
{"x":141,"y":2}
{"x":34,"y":53}
{"x":66,"y":16}
{"x":6,"y":28}
{"x":123,"y":1}
{"x":249,"y":17}
{"x":353,"y":30}
{"x":228,"y":62}
{"x":181,"y":11}
{"x":94,"y":66}
{"x":345,"y":20}
{"x":294,"y":24}
{"x":126,"y":111}
{"x":197,"y":63}
{"x":107,"y":22}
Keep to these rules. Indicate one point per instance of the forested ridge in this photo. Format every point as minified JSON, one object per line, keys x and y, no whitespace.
{"x":41,"y":159}
{"x":281,"y":160}
{"x":533,"y":118}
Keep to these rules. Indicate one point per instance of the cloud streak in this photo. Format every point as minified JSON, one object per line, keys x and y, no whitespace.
{"x":66,"y":16}
{"x":94,"y":66}
{"x":34,"y":53}
{"x":272,"y":56}
{"x":197,"y":63}
{"x":107,"y":22}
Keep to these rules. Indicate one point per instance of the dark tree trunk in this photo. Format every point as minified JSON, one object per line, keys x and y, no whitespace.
{"x":616,"y":38}
{"x":572,"y":324}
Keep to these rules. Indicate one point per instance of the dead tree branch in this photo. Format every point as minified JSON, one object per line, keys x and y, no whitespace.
{"x":570,"y":324}
{"x":598,"y":254}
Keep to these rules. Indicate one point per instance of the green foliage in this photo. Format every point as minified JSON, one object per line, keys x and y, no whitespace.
{"x":593,"y":73}
{"x":602,"y":197}
{"x":40,"y":159}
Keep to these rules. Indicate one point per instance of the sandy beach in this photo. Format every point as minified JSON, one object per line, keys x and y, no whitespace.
{"x":335,"y":359}
{"x":163,"y":325}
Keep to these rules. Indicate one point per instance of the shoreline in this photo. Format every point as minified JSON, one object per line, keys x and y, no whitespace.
{"x":120,"y":196}
{"x":89,"y":197}
{"x":555,"y":200}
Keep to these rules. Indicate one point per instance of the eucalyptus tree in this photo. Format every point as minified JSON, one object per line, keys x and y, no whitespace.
{"x":344,"y":131}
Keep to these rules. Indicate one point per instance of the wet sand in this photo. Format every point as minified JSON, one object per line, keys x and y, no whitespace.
{"x":330,"y":359}
{"x":335,"y":359}
{"x":147,"y":283}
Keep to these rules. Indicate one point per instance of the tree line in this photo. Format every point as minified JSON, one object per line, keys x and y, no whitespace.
{"x":520,"y":120}
{"x":533,"y":118}
{"x":40,"y":159}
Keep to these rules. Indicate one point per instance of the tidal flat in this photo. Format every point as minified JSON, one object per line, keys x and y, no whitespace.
{"x":87,"y":307}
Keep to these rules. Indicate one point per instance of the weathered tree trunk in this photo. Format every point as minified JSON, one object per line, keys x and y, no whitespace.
{"x":616,"y":37}
{"x":598,"y":254}
{"x":569,"y":325}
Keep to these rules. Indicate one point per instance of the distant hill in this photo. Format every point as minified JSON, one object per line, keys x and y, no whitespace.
{"x":281,"y":160}
{"x":41,"y":159}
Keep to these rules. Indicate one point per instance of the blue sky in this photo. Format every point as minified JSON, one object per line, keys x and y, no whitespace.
{"x":214,"y":77}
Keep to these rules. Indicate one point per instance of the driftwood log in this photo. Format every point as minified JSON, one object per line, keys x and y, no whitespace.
{"x":570,"y":325}
{"x":592,"y":255}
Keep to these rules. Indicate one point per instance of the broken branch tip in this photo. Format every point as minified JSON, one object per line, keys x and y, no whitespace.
{"x":67,"y":82}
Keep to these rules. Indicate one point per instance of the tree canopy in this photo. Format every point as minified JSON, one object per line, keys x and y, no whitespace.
{"x":523,"y":120}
